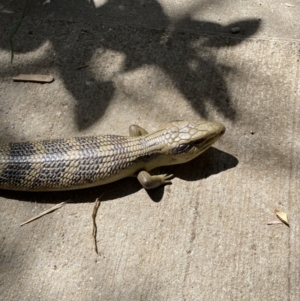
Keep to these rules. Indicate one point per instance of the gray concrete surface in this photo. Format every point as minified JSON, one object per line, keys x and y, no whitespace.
{"x":205,"y":237}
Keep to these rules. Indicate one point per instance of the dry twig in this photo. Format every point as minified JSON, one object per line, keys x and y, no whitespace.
{"x":44,"y":213}
{"x":94,"y":215}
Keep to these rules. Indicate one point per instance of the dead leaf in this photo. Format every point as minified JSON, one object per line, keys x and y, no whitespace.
{"x":282,"y":216}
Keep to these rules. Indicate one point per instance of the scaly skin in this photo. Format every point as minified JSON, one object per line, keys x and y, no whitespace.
{"x":75,"y":163}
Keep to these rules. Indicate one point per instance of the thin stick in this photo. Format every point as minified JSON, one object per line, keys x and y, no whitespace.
{"x":275,"y":223}
{"x":15,"y":29}
{"x":45,"y":212}
{"x":94,"y":215}
{"x":81,"y":67}
{"x":35,"y":78}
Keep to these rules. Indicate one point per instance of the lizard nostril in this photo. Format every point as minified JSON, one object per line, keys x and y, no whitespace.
{"x":223,"y":130}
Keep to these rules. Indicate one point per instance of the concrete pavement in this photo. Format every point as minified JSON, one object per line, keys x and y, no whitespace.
{"x":205,"y":237}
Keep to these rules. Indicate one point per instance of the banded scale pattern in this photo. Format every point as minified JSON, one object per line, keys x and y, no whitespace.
{"x":63,"y":164}
{"x":75,"y":163}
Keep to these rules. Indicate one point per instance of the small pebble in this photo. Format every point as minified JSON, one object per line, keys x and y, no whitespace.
{"x":235,"y":29}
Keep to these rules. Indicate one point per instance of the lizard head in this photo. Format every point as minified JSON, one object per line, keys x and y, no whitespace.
{"x":185,"y":140}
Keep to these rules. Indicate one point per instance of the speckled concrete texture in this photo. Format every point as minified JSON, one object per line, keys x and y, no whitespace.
{"x":115,"y":63}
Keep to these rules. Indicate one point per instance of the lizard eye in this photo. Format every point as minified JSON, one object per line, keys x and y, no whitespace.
{"x":182,"y":148}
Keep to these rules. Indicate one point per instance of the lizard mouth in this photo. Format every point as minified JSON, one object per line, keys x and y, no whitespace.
{"x":204,"y":143}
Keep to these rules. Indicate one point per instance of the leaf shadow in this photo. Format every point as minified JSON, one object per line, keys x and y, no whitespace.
{"x":183,"y":49}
